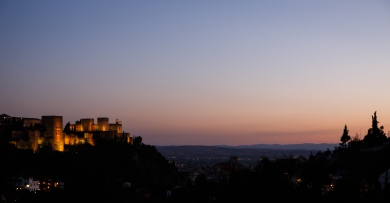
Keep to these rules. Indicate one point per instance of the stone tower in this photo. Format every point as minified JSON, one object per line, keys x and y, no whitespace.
{"x":54,"y":133}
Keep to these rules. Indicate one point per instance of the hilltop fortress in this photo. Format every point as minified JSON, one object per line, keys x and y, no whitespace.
{"x":33,"y":133}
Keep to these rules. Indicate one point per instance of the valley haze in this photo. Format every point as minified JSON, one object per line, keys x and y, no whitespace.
{"x":193,"y":155}
{"x":303,"y":146}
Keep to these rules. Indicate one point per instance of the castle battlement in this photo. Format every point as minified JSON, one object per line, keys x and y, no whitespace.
{"x":32,"y":133}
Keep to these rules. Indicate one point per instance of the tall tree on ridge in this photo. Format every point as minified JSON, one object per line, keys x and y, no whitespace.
{"x":345,"y":137}
{"x":375,"y":136}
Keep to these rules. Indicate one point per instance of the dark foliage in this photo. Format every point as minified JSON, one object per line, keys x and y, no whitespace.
{"x":375,"y":136}
{"x":345,"y":137}
{"x":92,"y":173}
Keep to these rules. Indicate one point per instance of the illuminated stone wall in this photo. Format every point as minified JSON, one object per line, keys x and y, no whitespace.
{"x":33,"y":136}
{"x":58,"y":143}
{"x":73,"y":139}
{"x":66,"y":139}
{"x":89,"y":138}
{"x":85,"y":131}
{"x":91,"y":131}
{"x":41,"y":140}
{"x":86,"y":124}
{"x":102,"y":124}
{"x":54,"y":128}
{"x":125,"y":136}
{"x":31,"y":143}
{"x":79,"y":127}
{"x":76,"y":127}
{"x":116,"y":127}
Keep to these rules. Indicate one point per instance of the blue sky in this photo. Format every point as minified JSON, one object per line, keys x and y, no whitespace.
{"x":200,"y":72}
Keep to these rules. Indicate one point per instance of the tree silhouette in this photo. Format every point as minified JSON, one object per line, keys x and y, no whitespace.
{"x":67,"y":128}
{"x":345,"y":137}
{"x":137,"y":140}
{"x":375,"y":136}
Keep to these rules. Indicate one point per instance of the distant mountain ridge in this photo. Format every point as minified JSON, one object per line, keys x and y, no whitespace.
{"x":303,"y":146}
{"x":249,"y":154}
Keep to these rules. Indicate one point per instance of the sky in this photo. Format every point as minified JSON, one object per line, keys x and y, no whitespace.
{"x":200,"y":72}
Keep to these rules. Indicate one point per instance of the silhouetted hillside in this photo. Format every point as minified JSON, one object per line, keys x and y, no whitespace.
{"x":93,"y":172}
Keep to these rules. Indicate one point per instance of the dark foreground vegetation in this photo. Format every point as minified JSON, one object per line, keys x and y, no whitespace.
{"x":355,"y":171}
{"x":90,"y":173}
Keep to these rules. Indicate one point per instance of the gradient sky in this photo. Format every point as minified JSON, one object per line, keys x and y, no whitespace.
{"x":200,"y":72}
